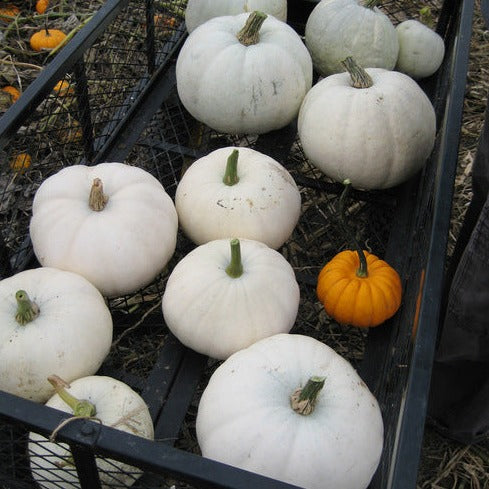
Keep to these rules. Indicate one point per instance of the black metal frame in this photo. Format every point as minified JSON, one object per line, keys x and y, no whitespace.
{"x":178,"y":370}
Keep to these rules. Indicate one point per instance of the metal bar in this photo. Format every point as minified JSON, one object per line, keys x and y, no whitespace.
{"x":411,"y":428}
{"x":86,"y":467}
{"x":37,"y":91}
{"x":83,"y":99}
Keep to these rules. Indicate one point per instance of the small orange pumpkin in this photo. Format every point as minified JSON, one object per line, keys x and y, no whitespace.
{"x":12,"y":91}
{"x":63,"y":88}
{"x":46,"y":39}
{"x":41,"y":6}
{"x":358,"y":288}
{"x":20,"y":162}
{"x":9,"y":12}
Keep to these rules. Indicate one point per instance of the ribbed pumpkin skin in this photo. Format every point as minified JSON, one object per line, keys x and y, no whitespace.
{"x":364,"y":302}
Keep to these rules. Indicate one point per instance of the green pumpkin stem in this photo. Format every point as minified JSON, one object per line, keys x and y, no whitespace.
{"x":359,"y":77}
{"x":371,"y":3}
{"x":231,"y":173}
{"x":426,"y":17}
{"x":79,"y":407}
{"x":97,"y":200}
{"x":362,"y":269}
{"x":235,"y":267}
{"x":303,"y":400}
{"x":250,"y":33}
{"x":27,"y":310}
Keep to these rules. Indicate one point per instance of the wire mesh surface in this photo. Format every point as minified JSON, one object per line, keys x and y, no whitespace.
{"x":77,"y":118}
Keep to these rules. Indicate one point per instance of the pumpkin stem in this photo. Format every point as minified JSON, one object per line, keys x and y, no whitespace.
{"x":362,"y":270}
{"x":235,"y":267}
{"x":231,"y":173}
{"x":426,"y":17}
{"x":303,"y":400}
{"x":370,"y":3}
{"x":79,"y":407}
{"x":97,"y":200}
{"x":359,"y":77}
{"x":250,"y":33}
{"x":27,"y":310}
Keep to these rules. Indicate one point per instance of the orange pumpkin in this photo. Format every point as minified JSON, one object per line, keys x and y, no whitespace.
{"x":12,"y":91}
{"x":20,"y":162}
{"x":41,"y":6}
{"x":356,"y":287}
{"x":46,"y":39}
{"x":9,"y":12}
{"x":360,"y":298}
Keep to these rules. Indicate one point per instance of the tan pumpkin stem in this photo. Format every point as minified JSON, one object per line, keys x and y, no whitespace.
{"x":97,"y":200}
{"x":359,"y":77}
{"x":303,"y":400}
{"x":79,"y":407}
{"x":363,"y":269}
{"x":231,"y":174}
{"x":250,"y":33}
{"x":235,"y":267}
{"x":27,"y":310}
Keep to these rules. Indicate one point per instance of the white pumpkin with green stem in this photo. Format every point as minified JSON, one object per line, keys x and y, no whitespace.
{"x":372,"y":126}
{"x":109,"y":402}
{"x":238,"y":192}
{"x":243,"y":74}
{"x":290,"y":408}
{"x":421,"y":49}
{"x":336,"y":29}
{"x":226,"y":294}
{"x":51,"y":321}
{"x":112,"y":223}
{"x":200,"y":11}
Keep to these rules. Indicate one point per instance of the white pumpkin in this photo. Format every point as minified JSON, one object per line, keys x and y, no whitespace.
{"x":200,"y":11}
{"x":112,"y":223}
{"x":238,"y":192}
{"x":226,"y":294}
{"x":113,"y":404}
{"x":243,"y":74}
{"x":377,"y":133}
{"x":421,"y":49}
{"x":290,"y":408}
{"x":51,"y":321}
{"x":336,"y":29}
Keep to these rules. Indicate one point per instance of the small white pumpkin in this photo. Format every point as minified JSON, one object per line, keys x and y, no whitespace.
{"x":336,"y":29}
{"x":374,"y":127}
{"x":200,"y":11}
{"x":243,"y":74}
{"x":51,"y":321}
{"x":112,"y":223}
{"x":110,"y":402}
{"x":226,"y":294}
{"x":290,"y":408}
{"x":238,"y":192}
{"x":421,"y":49}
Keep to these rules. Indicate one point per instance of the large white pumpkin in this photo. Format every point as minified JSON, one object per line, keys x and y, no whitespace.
{"x":113,"y":404}
{"x":377,"y":135}
{"x":50,"y":321}
{"x":200,"y":11}
{"x":337,"y":29}
{"x":112,"y":223}
{"x":239,"y":83}
{"x":226,"y":294}
{"x":251,"y":415}
{"x":238,"y":192}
